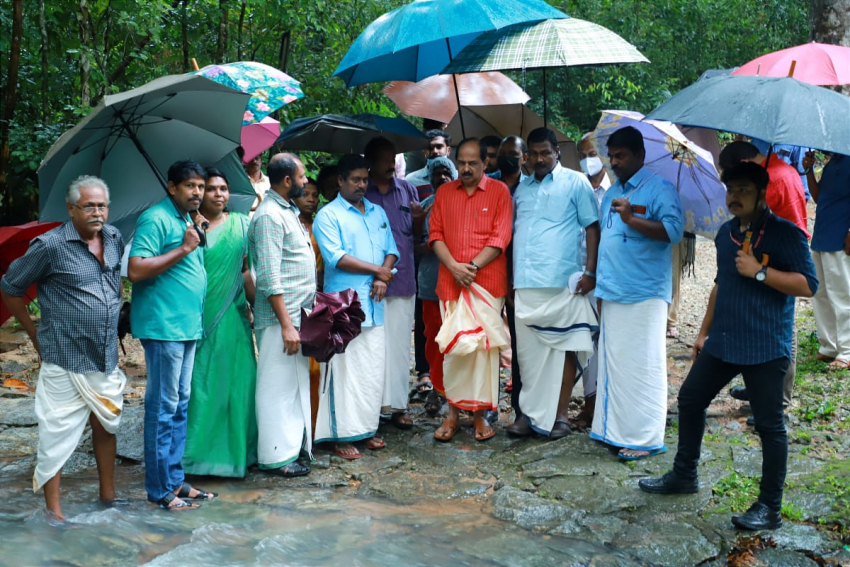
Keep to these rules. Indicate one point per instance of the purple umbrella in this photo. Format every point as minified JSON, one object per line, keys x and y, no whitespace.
{"x":333,"y":323}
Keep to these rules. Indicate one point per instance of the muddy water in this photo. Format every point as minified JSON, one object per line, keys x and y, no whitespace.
{"x":261,"y":522}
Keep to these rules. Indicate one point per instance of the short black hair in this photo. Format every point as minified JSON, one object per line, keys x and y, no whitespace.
{"x":735,"y":153}
{"x":747,"y":171}
{"x":491,"y":141}
{"x":185,"y":169}
{"x":629,"y":138}
{"x":431,"y":124}
{"x":215,"y":172}
{"x":282,"y":166}
{"x":436,"y":133}
{"x":311,"y":181}
{"x":523,"y":147}
{"x":374,"y":146}
{"x":350,"y":162}
{"x":481,"y":146}
{"x":326,"y":172}
{"x":540,"y":135}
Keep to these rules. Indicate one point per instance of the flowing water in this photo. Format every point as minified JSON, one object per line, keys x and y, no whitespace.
{"x":261,"y":521}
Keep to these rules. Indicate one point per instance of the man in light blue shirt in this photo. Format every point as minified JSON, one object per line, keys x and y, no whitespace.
{"x":359,"y":252}
{"x":554,"y":320}
{"x":641,"y":218}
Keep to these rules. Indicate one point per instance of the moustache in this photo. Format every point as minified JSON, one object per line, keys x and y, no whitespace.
{"x":96,"y":220}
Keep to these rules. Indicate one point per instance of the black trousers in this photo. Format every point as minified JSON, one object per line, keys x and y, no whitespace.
{"x":764,"y":382}
{"x":420,"y":362}
{"x":516,"y":378}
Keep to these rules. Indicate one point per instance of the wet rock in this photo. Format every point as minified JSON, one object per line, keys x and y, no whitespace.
{"x":130,"y":435}
{"x":18,"y":412}
{"x":799,"y":537}
{"x":369,"y":464}
{"x":596,"y":493}
{"x":603,"y":528}
{"x":812,"y":505}
{"x":12,"y":366}
{"x":746,"y":460}
{"x":18,"y":467}
{"x":667,"y":543}
{"x":78,"y":462}
{"x":405,"y":487}
{"x":713,"y":425}
{"x":733,"y":426}
{"x":782,"y":558}
{"x":528,"y":510}
{"x":572,"y":466}
{"x":321,"y":461}
{"x":18,"y":441}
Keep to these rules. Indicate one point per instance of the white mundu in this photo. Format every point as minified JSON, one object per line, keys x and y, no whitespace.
{"x":63,"y":403}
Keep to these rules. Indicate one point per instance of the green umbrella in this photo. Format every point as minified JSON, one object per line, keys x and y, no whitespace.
{"x":130,"y":139}
{"x":568,"y":42}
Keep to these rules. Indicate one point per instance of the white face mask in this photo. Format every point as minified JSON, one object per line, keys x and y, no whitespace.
{"x":591,"y":166}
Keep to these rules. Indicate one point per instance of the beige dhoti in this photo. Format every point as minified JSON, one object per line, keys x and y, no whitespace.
{"x":64,"y":401}
{"x":471,"y":337}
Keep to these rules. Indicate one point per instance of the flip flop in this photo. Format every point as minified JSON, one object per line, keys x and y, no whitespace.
{"x":184,"y":491}
{"x":338,"y":452}
{"x":839,"y":364}
{"x":479,"y":436}
{"x":640,"y":458}
{"x":673,"y":333}
{"x":824,"y":358}
{"x":375,"y":444}
{"x":445,"y":438}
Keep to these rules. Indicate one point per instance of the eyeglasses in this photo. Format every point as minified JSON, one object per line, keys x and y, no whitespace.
{"x":89,"y":209}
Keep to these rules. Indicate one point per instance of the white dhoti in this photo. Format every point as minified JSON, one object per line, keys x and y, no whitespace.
{"x":549,"y":323}
{"x":589,"y":372}
{"x":351,"y":390}
{"x":398,"y":326}
{"x":631,"y":395}
{"x":63,"y":403}
{"x":282,"y":400}
{"x":471,"y":337}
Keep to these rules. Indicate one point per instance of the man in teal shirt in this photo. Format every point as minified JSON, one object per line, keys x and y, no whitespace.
{"x":641,"y":218}
{"x":169,"y":284}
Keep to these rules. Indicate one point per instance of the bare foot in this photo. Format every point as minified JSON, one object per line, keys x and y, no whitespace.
{"x":633,"y":453}
{"x":54,"y":515}
{"x":447,"y":430}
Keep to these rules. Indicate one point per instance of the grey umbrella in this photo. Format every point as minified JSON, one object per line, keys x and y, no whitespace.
{"x":778,"y":110}
{"x":131,"y":138}
{"x":345,"y":134}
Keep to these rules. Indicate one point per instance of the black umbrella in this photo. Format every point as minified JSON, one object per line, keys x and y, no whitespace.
{"x":349,"y":134}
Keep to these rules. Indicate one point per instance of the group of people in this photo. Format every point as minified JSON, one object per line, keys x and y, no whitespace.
{"x":578,"y":267}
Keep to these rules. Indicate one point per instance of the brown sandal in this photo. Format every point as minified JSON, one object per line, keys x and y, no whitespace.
{"x":481,"y":433}
{"x":450,"y":427}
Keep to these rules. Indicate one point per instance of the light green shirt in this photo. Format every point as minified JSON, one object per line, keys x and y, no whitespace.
{"x":170,"y":306}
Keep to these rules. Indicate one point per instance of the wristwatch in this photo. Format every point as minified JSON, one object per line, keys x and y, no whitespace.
{"x":474,"y":265}
{"x":761,"y":274}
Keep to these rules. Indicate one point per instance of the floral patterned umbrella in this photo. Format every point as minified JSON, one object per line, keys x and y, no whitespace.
{"x":269,"y":88}
{"x":674,"y":157}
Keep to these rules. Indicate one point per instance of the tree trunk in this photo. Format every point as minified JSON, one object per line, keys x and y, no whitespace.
{"x":239,"y":30}
{"x":830,"y":23}
{"x":221,"y":49}
{"x":85,"y":46}
{"x":184,"y":29}
{"x":10,"y":95}
{"x":45,"y":68}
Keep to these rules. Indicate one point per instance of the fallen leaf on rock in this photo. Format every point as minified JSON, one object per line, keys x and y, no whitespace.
{"x":15,"y":383}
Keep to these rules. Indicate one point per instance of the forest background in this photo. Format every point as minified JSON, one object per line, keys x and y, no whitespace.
{"x":59,"y":58}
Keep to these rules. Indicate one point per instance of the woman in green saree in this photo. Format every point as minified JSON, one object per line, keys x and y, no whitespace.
{"x":222,"y":426}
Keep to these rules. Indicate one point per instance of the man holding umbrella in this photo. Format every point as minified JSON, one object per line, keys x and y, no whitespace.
{"x":166,"y":267}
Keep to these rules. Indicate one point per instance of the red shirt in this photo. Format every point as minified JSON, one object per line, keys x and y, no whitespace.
{"x":785,"y":194}
{"x":467,"y":224}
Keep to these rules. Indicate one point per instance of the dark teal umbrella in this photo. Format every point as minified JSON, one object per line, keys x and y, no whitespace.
{"x":349,"y":134}
{"x":777,"y":110}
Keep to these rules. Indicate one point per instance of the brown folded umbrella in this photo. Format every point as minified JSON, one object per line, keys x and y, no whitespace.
{"x":333,"y":323}
{"x":435,"y":96}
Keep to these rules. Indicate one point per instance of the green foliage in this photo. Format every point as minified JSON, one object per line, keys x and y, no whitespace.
{"x":736,"y":491}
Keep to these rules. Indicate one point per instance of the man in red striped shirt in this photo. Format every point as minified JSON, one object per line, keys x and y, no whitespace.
{"x":470,"y":227}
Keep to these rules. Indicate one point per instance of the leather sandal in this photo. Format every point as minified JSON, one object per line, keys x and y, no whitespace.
{"x":201,"y":495}
{"x":166,"y":503}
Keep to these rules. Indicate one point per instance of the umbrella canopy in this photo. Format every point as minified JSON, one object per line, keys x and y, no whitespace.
{"x":269,"y":88}
{"x":334,"y":321}
{"x":780,"y":111}
{"x":130,"y":139}
{"x":436,"y":98}
{"x":419,"y":39}
{"x":344,"y":134}
{"x":677,"y":159}
{"x":813,"y":63}
{"x":257,"y":138}
{"x":14,"y":243}
{"x":551,"y":43}
{"x":510,"y":120}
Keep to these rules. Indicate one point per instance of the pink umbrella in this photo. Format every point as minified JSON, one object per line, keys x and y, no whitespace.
{"x":435,"y":96}
{"x":257,"y":138}
{"x":14,"y":242}
{"x":813,"y":63}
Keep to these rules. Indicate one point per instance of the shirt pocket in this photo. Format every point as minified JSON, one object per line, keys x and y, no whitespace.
{"x":482,"y":221}
{"x":553,"y":206}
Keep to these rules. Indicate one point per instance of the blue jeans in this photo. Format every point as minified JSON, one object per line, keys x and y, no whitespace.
{"x":169,"y":366}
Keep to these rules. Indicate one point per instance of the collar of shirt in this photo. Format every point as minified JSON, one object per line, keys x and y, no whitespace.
{"x":482,"y":184}
{"x":635,"y":180}
{"x":277,"y":198}
{"x":556,"y":172}
{"x":69,"y":232}
{"x":368,"y":206}
{"x":372,"y":186}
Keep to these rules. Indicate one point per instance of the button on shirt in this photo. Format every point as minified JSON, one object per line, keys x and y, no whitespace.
{"x":170,"y":306}
{"x":549,"y":216}
{"x":79,"y":297}
{"x":341,"y":229}
{"x":753,"y":323}
{"x":633,"y":267}
{"x":832,"y":219}
{"x":284,"y":260}
{"x":396,"y":204}
{"x":469,"y":223}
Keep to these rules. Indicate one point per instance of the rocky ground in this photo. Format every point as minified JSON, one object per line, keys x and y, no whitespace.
{"x":572,"y":488}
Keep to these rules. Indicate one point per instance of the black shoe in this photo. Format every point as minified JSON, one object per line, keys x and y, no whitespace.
{"x":751,"y":421}
{"x":560,"y":430}
{"x":492,"y":416}
{"x":758,"y":517}
{"x":291,"y":470}
{"x":669,"y":484}
{"x":519,"y":428}
{"x":740,"y":393}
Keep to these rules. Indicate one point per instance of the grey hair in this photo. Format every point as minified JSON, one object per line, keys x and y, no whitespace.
{"x":82,"y":182}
